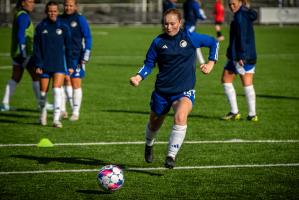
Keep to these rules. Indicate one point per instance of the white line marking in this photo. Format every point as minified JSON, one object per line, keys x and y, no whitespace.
{"x":158,"y":168}
{"x":232,"y":141}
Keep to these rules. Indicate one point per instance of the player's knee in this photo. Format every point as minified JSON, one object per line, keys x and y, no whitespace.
{"x":180,"y":119}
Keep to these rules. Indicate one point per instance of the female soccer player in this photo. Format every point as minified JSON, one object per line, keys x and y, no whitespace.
{"x":21,"y":51}
{"x":175,"y":53}
{"x":53,"y":54}
{"x":81,"y":45}
{"x":219,"y":18}
{"x":241,"y":55}
{"x":193,"y":12}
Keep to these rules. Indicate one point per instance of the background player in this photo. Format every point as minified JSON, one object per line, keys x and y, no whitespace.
{"x":219,"y":18}
{"x":81,"y":52}
{"x":21,"y":51}
{"x":241,"y":55}
{"x":175,"y":53}
{"x":52,"y":48}
{"x":193,"y":12}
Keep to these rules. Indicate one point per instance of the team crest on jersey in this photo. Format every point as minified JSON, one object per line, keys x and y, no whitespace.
{"x":183,"y":43}
{"x":45,"y":31}
{"x":58,"y":31}
{"x":74,"y":24}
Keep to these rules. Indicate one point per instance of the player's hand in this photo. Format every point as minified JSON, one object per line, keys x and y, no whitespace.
{"x":135,"y":80}
{"x":38,"y":71}
{"x":71,"y":71}
{"x":207,"y":68}
{"x":241,"y":63}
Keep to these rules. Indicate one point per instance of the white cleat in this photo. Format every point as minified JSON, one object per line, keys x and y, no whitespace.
{"x":4,"y":107}
{"x":57,"y":124}
{"x":63,"y":115}
{"x":74,"y":118}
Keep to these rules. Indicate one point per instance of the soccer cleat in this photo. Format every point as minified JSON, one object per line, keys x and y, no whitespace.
{"x":148,"y":154}
{"x":232,"y":116}
{"x":169,"y":162}
{"x":74,"y":118}
{"x":63,"y":115}
{"x":252,"y":118}
{"x":57,"y":124}
{"x":4,"y":107}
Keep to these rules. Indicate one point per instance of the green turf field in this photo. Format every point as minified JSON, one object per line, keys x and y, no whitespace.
{"x":220,"y":160}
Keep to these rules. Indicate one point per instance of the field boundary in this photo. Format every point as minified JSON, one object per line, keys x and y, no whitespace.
{"x":232,"y":141}
{"x":157,"y":168}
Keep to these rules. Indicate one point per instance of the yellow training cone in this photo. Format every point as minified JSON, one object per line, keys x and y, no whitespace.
{"x":45,"y":142}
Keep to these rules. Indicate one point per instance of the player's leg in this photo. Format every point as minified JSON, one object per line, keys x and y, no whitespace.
{"x":77,"y":98}
{"x":182,"y":109}
{"x":228,"y":77}
{"x":17,"y":73}
{"x":220,"y":37}
{"x":247,"y":81}
{"x":159,"y":108}
{"x":65,"y":97}
{"x":35,"y":80}
{"x":44,"y":85}
{"x":58,"y":79}
{"x":68,"y":90}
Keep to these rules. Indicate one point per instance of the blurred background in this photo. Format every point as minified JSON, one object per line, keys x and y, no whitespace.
{"x":134,"y":12}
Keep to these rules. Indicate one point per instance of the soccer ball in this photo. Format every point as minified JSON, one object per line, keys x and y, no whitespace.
{"x":111,"y":177}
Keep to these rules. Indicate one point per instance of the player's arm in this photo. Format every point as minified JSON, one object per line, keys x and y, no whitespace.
{"x":201,"y":40}
{"x":68,"y":49}
{"x":241,"y":38}
{"x":22,"y":22}
{"x":87,"y":38}
{"x":37,"y":54}
{"x":149,"y":64}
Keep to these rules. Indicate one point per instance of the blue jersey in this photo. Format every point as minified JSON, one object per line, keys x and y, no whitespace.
{"x":53,"y":46}
{"x":176,"y":59}
{"x":192,"y":12}
{"x":241,"y":37}
{"x":80,"y":32}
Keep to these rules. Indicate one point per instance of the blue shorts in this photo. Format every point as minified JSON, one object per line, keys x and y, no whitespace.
{"x":49,"y":74}
{"x":161,"y":104}
{"x":79,"y":71}
{"x":232,"y":66}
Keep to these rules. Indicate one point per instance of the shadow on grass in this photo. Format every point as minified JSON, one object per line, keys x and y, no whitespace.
{"x":147,"y":113}
{"x":83,"y":161}
{"x":265,"y":96}
{"x":97,"y":192}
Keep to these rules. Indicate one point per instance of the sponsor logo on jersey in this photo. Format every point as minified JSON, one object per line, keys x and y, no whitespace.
{"x":74,"y":24}
{"x":45,"y":31}
{"x":183,"y":43}
{"x":58,"y":31}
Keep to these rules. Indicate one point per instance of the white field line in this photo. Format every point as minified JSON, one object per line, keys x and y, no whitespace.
{"x":233,"y":141}
{"x":158,"y":168}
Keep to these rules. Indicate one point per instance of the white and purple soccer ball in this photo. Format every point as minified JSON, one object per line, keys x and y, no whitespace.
{"x":111,"y":177}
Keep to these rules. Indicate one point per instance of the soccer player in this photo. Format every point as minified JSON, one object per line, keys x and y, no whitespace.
{"x":193,"y":12}
{"x":53,"y":56}
{"x":168,"y":4}
{"x":175,"y":53}
{"x":21,"y":51}
{"x":81,"y":45}
{"x":241,"y":59}
{"x":219,"y":18}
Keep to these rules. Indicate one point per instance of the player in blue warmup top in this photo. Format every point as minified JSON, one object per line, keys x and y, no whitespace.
{"x":168,"y":4}
{"x":193,"y":12}
{"x":174,"y":52}
{"x":21,"y":51}
{"x":53,"y":56}
{"x":241,"y":59}
{"x":81,"y":45}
